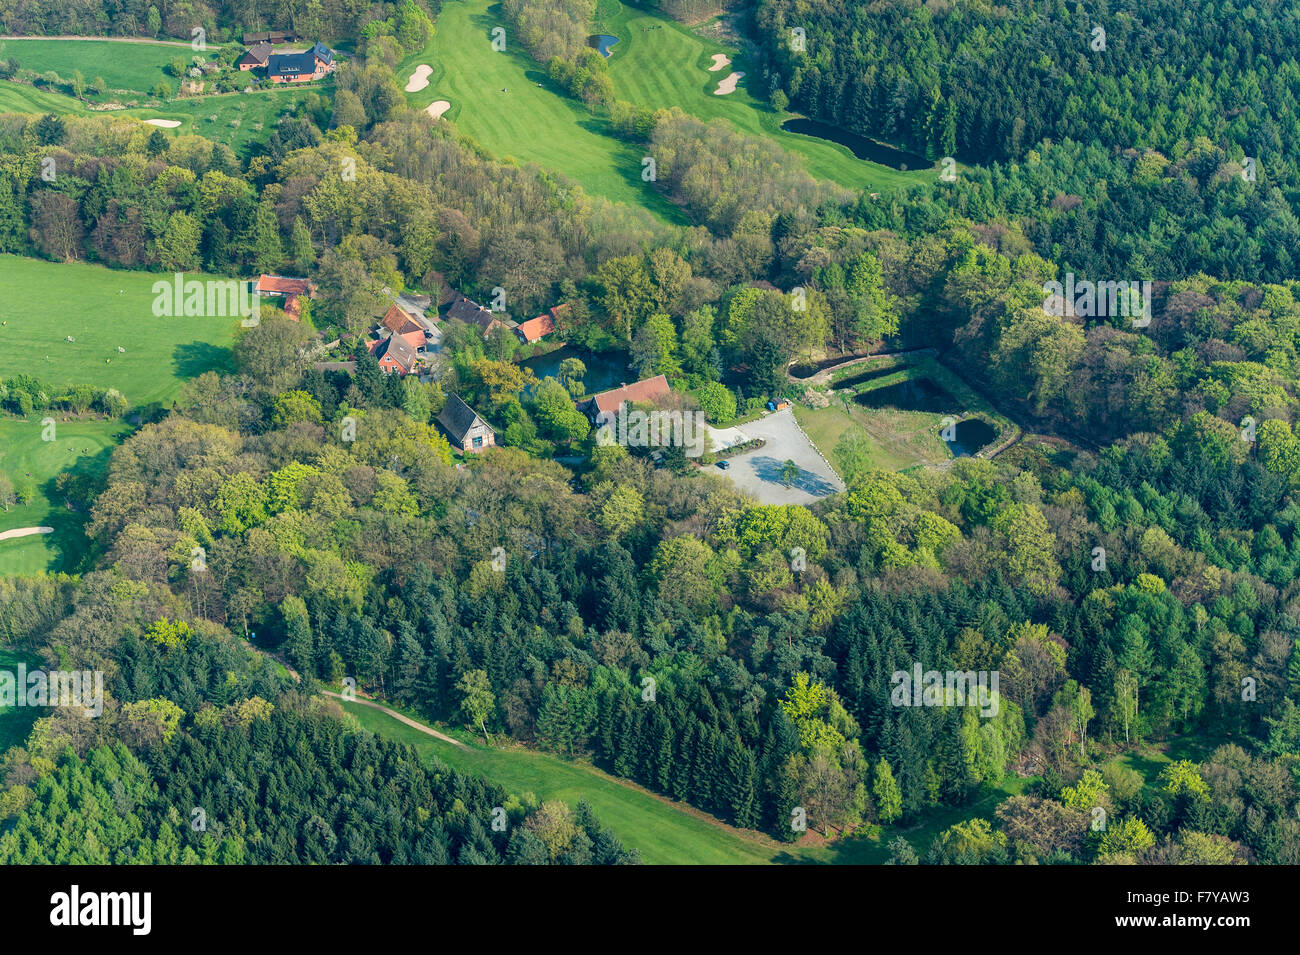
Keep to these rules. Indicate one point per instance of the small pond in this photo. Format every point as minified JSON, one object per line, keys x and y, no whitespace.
{"x":972,"y":434}
{"x":605,"y":370}
{"x":860,"y":146}
{"x":602,"y":42}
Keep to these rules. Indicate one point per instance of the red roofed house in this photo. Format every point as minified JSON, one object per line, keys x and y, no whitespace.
{"x":289,"y":288}
{"x":396,"y":356}
{"x":642,"y":392}
{"x":400,"y":322}
{"x":535,"y":329}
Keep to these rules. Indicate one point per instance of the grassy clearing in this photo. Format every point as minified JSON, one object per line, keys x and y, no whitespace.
{"x":21,"y":98}
{"x":235,"y":119}
{"x":664,"y":833}
{"x":81,"y":447}
{"x":16,"y":721}
{"x":41,"y":303}
{"x":129,"y":67}
{"x":659,"y":63}
{"x":897,"y":439}
{"x":530,"y":123}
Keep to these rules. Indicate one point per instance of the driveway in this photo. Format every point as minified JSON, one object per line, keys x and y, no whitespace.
{"x":758,"y":473}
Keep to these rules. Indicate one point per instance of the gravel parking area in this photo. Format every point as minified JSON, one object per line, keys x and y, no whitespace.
{"x":758,"y":473}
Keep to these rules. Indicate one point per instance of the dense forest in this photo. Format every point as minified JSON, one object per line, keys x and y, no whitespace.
{"x":736,"y":656}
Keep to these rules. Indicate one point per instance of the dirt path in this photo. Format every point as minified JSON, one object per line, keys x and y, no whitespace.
{"x":103,"y":39}
{"x":24,"y":532}
{"x":400,"y":718}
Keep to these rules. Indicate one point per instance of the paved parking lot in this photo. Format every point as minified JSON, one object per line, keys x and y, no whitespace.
{"x":759,"y":472}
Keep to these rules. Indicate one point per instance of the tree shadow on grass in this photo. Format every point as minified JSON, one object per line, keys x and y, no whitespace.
{"x":191,"y":359}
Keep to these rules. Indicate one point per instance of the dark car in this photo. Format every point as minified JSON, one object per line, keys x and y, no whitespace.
{"x":724,"y":464}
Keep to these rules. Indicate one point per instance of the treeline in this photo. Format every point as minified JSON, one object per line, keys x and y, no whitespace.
{"x":990,"y":83}
{"x":221,"y":20}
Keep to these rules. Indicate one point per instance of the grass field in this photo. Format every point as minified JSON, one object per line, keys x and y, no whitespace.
{"x":530,"y":123}
{"x":666,"y":833}
{"x":81,"y":447}
{"x":240,"y":118}
{"x":130,"y":67}
{"x":41,"y":303}
{"x":16,"y":721}
{"x":659,"y":63}
{"x":21,"y":98}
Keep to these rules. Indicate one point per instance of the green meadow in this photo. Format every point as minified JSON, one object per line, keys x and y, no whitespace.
{"x":43,"y":303}
{"x":21,"y":98}
{"x":235,"y":119}
{"x":665,"y":832}
{"x":16,"y":721}
{"x":130,"y":67}
{"x":80,"y":447}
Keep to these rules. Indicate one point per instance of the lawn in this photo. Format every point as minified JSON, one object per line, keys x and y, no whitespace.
{"x":897,"y":439}
{"x":16,"y":721}
{"x":659,"y":63}
{"x":235,"y":119}
{"x":530,"y":123}
{"x":665,"y":832}
{"x":21,"y":98}
{"x":125,"y":67}
{"x":80,"y":446}
{"x":42,"y":303}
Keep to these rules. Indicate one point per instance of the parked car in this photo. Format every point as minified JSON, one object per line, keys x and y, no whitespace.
{"x":724,"y":464}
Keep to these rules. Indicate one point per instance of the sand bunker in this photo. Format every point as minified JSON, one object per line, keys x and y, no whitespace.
{"x":24,"y":532}
{"x":728,"y":85}
{"x":719,"y":61}
{"x":164,"y":123}
{"x":437,"y":108}
{"x":419,"y":79}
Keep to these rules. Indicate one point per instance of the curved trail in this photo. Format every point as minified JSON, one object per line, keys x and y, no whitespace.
{"x":400,"y":718}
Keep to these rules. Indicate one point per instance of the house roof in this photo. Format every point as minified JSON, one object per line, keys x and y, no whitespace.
{"x":399,"y":349}
{"x":472,"y":313}
{"x":322,"y":53}
{"x":649,"y":389}
{"x":290,"y":64}
{"x":399,"y":320}
{"x":537,"y":328}
{"x":457,"y":417}
{"x":256,"y":54}
{"x":273,"y":36}
{"x":283,"y":285}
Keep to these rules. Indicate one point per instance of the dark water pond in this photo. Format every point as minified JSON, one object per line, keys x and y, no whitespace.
{"x":972,"y":434}
{"x":860,"y":146}
{"x":917,"y":394}
{"x":605,"y":370}
{"x":922,"y":394}
{"x":602,"y":42}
